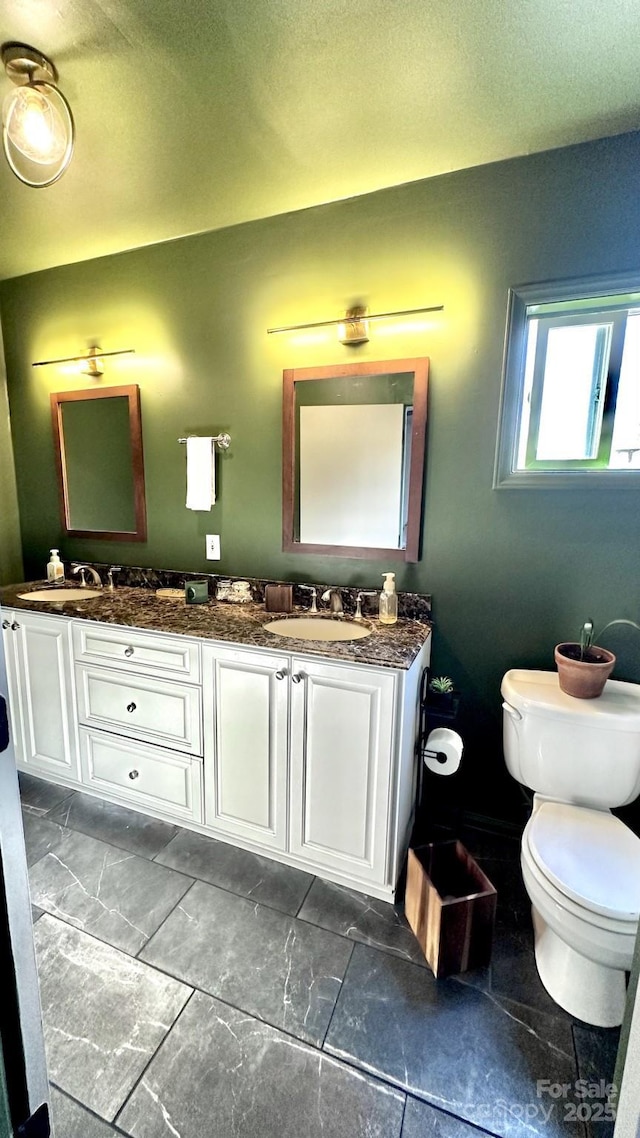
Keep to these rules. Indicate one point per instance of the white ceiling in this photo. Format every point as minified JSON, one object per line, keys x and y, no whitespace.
{"x":196,"y":114}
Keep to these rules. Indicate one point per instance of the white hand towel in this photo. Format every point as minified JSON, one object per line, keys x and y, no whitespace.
{"x":201,"y":474}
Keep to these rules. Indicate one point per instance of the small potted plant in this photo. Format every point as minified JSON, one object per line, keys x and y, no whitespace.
{"x":442,"y":698}
{"x":584,"y":668}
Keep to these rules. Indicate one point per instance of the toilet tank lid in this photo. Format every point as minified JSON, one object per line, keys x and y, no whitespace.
{"x":590,"y":855}
{"x":538,"y":693}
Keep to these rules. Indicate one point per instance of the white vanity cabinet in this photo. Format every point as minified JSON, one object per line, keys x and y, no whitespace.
{"x":307,"y":760}
{"x":43,"y":720}
{"x":311,"y":759}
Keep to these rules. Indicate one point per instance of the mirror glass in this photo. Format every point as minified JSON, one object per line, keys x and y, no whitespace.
{"x":99,"y":458}
{"x":354,"y":459}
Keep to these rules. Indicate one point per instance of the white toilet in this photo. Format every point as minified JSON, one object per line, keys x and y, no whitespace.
{"x":580,"y":864}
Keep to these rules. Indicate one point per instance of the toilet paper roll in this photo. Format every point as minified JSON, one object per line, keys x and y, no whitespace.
{"x":447,"y":747}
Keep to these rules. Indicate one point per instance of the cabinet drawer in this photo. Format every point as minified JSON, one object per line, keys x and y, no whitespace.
{"x":143,"y":652}
{"x":145,"y":776}
{"x":151,"y":709}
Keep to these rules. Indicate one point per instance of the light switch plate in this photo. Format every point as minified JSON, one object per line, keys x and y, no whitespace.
{"x":213,"y":547}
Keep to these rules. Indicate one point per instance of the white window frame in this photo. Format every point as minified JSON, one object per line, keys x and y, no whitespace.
{"x":521,"y":299}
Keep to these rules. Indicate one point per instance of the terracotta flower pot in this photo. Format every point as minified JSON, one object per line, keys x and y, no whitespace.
{"x":583,"y":677}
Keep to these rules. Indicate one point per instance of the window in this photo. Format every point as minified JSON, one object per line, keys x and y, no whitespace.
{"x":570,"y":411}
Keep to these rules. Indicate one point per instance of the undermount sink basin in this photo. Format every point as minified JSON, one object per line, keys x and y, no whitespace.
{"x":59,"y":596}
{"x":316,"y":628}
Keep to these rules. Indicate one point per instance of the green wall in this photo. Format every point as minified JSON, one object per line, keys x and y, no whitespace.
{"x":512,"y":573}
{"x":10,"y":545}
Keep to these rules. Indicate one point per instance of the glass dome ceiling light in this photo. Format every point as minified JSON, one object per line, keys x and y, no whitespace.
{"x":37,"y":125}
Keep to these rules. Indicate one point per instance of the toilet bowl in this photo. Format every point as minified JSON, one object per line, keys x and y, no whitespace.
{"x":580,"y":864}
{"x":581,"y":870}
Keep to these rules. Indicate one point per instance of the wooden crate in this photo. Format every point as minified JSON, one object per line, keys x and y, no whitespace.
{"x":451,"y":906}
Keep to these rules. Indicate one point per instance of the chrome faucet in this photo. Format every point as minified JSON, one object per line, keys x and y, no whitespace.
{"x":82,"y":569}
{"x":334,"y":597}
{"x":313,"y":608}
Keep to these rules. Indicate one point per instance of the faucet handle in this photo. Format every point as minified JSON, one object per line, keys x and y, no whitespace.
{"x":313,"y":608}
{"x":361,"y":594}
{"x":111,"y":571}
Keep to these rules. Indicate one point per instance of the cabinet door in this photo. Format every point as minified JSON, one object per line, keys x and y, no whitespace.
{"x":246,"y":720}
{"x":342,"y":736}
{"x":47,"y":739}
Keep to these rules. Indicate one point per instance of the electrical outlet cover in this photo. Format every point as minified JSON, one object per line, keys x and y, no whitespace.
{"x":213,"y":547}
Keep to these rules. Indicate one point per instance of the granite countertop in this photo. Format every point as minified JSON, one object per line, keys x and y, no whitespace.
{"x":388,"y":646}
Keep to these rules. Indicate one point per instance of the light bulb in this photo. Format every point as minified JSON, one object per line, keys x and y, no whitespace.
{"x":34,"y":125}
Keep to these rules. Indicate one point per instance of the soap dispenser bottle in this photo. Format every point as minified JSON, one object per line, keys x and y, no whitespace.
{"x":388,"y":600}
{"x":55,"y":568}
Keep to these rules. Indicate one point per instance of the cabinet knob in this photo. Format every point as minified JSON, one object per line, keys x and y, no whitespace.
{"x":133,"y":774}
{"x":298,"y":678}
{"x":131,"y":707}
{"x":15,"y":626}
{"x":6,"y":624}
{"x":128,"y":651}
{"x":281,"y":675}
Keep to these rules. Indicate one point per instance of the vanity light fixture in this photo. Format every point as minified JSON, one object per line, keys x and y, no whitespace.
{"x":37,"y":125}
{"x":353,"y":327}
{"x":92,"y":358}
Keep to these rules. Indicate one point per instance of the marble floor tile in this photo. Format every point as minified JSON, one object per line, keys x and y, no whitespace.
{"x":453,"y":1045}
{"x":116,"y":896}
{"x":424,"y":1121}
{"x":137,"y":833}
{"x":222,"y":1074}
{"x":596,"y":1052}
{"x":512,"y":974}
{"x":40,"y":836}
{"x":273,"y":966}
{"x":38,"y":796}
{"x":71,"y":1120}
{"x":239,"y":871}
{"x":35,"y":914}
{"x":104,"y":1014}
{"x":360,"y":918}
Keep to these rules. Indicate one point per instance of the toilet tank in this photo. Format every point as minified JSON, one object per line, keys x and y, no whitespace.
{"x":576,"y":750}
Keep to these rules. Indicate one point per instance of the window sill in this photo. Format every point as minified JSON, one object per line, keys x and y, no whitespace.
{"x":568,"y":480}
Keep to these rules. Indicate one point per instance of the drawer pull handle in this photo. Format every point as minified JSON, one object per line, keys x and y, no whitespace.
{"x":281,"y":675}
{"x":298,"y":678}
{"x":133,"y":774}
{"x":131,"y":707}
{"x":15,"y":626}
{"x":128,"y":651}
{"x":6,"y":624}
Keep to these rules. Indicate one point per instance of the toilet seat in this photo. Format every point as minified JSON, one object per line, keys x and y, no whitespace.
{"x":590,"y":856}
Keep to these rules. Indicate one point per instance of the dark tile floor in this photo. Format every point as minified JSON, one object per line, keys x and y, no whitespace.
{"x":192,"y":990}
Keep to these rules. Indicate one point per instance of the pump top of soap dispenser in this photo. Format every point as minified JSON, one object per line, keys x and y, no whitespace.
{"x":389,"y":582}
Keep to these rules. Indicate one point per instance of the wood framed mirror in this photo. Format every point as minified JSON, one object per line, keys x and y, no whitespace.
{"x":98,"y":449}
{"x":353,"y":453}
